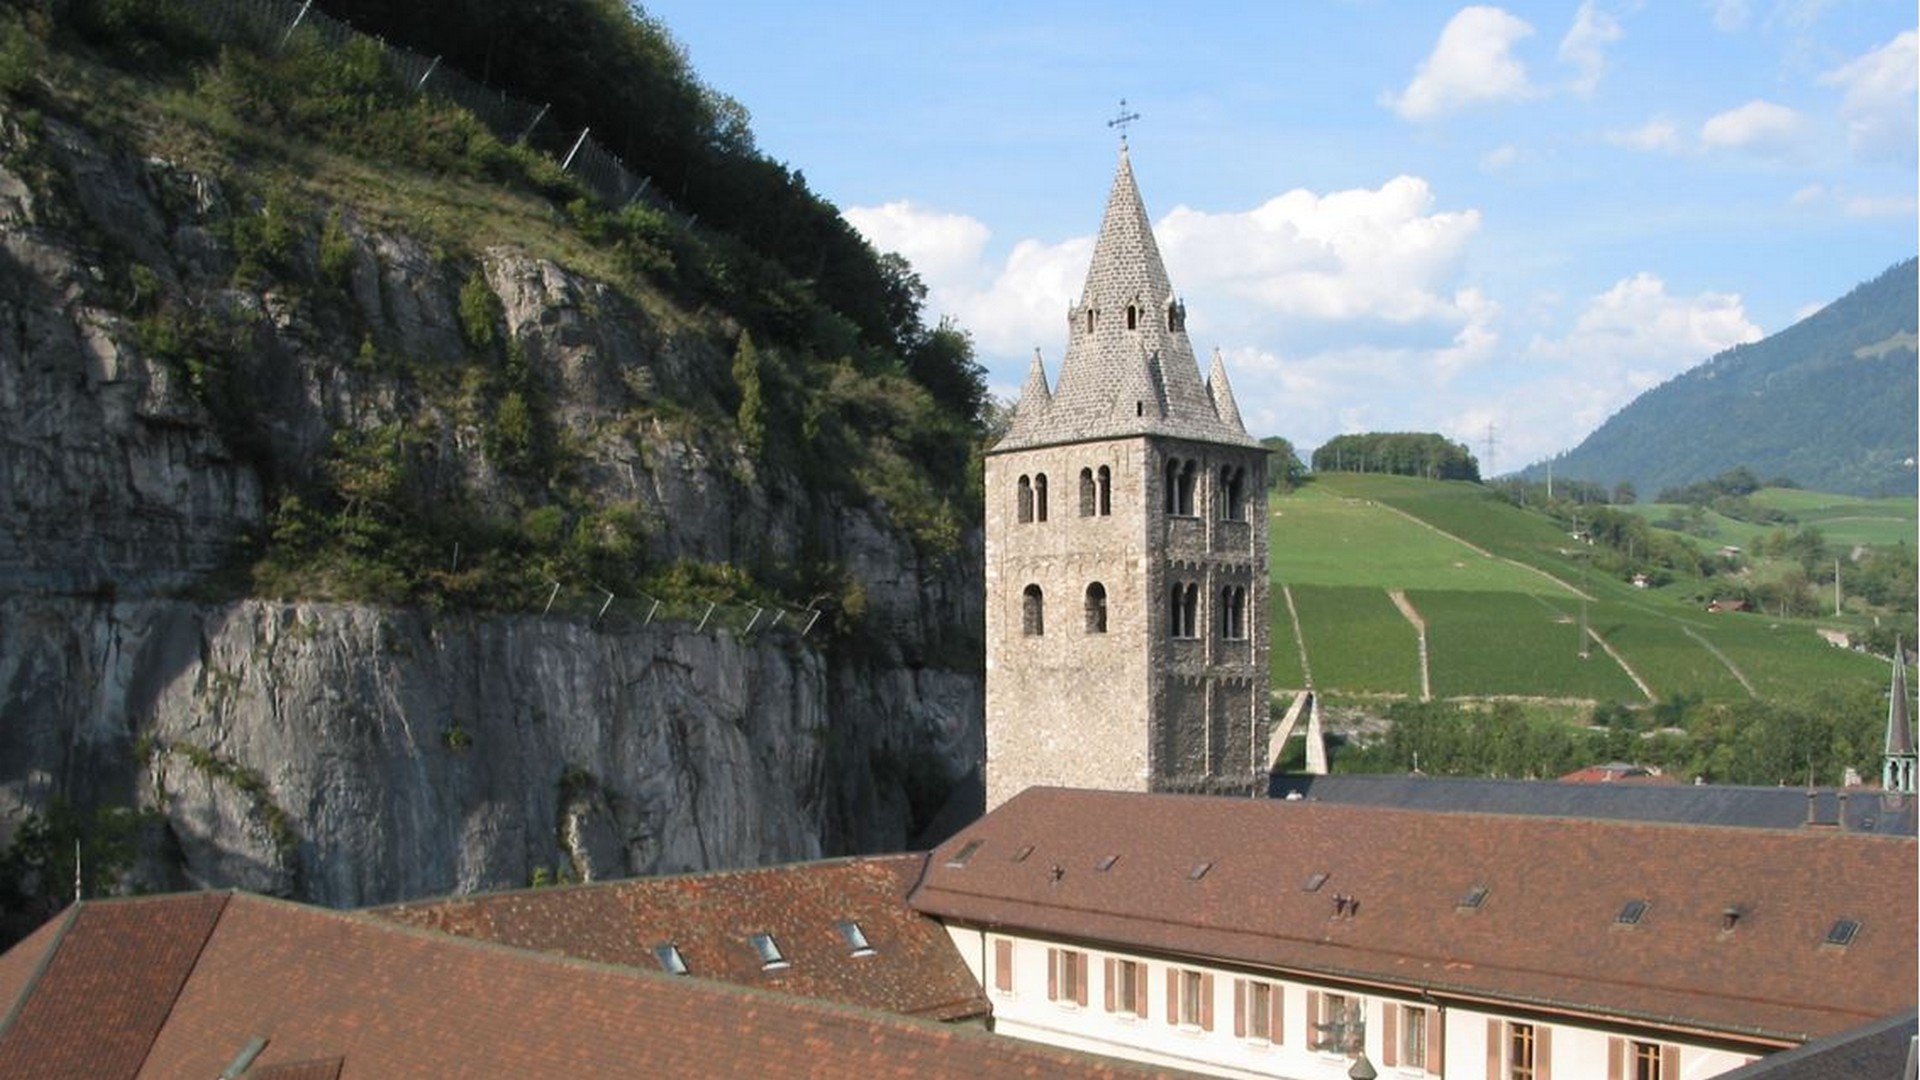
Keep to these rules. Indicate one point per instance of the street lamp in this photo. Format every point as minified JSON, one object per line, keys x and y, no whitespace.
{"x":1362,"y":1069}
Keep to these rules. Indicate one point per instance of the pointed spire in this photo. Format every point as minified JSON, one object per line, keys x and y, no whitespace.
{"x":1036,"y":388}
{"x":1899,"y":723}
{"x":1030,"y":412}
{"x":1222,"y":394}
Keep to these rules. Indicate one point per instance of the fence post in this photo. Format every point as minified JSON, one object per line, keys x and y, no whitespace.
{"x":295,"y":24}
{"x":550,"y":596}
{"x":703,"y":619}
{"x":537,"y":117}
{"x":810,"y":622}
{"x":431,"y":68}
{"x":603,"y":608}
{"x":755,"y":621}
{"x":577,"y":144}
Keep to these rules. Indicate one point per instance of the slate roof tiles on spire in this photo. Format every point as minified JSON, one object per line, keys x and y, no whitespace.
{"x":1127,"y":318}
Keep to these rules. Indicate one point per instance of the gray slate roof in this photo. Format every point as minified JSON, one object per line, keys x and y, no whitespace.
{"x":1117,"y":381}
{"x":1867,"y":810}
{"x":1882,"y":1050}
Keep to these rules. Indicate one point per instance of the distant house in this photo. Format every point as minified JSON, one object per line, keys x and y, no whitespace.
{"x":1641,"y":581}
{"x":1730,"y":604}
{"x":1617,"y":772}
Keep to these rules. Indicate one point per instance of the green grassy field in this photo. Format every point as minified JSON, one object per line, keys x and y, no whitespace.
{"x":1499,"y":587}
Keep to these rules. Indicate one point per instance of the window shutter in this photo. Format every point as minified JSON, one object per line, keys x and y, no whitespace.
{"x":1496,"y":1035}
{"x":1206,"y":1002}
{"x":1080,"y":982}
{"x":1616,"y":1058}
{"x":1542,"y":1053}
{"x":1003,"y":965}
{"x":1436,"y":1043}
{"x":1277,"y":995}
{"x":1108,"y":967}
{"x":1173,"y":995}
{"x":1670,"y":1063}
{"x":1053,"y":974}
{"x":1239,"y":1008}
{"x":1390,"y":1043}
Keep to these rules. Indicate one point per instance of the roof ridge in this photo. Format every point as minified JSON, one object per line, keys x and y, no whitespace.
{"x":67,"y":917}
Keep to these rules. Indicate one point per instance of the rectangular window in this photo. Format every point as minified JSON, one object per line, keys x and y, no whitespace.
{"x":1520,"y":1052}
{"x":1126,"y":987}
{"x":1003,"y":965}
{"x":1067,"y":976}
{"x":1257,"y":1010}
{"x":1190,"y":998}
{"x":1337,"y":1022}
{"x":1647,"y":1060}
{"x":1413,"y":1036}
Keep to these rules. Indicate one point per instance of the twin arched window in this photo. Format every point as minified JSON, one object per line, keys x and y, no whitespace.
{"x":1096,"y":492}
{"x":1031,"y":502}
{"x":1233,"y":493}
{"x":1183,"y":611}
{"x":1233,"y":613}
{"x":1180,"y":482}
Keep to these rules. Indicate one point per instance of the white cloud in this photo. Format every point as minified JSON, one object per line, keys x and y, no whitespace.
{"x":1730,"y":15}
{"x":937,"y":244}
{"x":1762,"y":128}
{"x":1879,"y":104}
{"x":1658,"y":135}
{"x":1585,"y":46}
{"x":1472,"y":63}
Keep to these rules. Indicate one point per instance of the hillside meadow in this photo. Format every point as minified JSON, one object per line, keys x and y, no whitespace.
{"x":1500,"y":593}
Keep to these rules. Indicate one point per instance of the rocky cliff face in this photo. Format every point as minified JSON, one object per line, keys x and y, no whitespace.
{"x":350,"y":754}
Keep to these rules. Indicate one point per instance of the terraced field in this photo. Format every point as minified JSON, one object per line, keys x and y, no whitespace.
{"x":1499,"y":593}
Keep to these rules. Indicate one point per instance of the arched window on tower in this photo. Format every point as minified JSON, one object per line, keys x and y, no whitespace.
{"x":1040,"y":497}
{"x":1180,"y":483}
{"x":1024,"y":507}
{"x":1183,"y":611}
{"x":1033,"y":622}
{"x":1089,"y":320}
{"x":1233,"y":495}
{"x":1096,"y":608}
{"x":1233,"y":613}
{"x":1133,"y":317}
{"x":1105,"y":484}
{"x":1086,"y":493}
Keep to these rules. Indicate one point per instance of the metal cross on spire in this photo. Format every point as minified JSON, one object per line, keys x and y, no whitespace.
{"x":1121,"y":121}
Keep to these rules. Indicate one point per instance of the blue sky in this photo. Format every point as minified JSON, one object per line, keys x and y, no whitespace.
{"x":1386,"y":215}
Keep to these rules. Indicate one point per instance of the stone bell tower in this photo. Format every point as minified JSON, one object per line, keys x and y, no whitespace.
{"x":1126,"y":531}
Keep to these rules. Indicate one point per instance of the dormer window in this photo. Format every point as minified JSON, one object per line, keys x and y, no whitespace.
{"x":771,"y":959}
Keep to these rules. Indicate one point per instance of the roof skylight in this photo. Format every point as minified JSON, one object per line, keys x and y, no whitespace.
{"x":856,"y":940}
{"x":769,"y":950}
{"x":1106,"y":862}
{"x":1842,"y":931}
{"x":1631,"y":913}
{"x":1473,"y":898}
{"x":1313,"y":883}
{"x":670,"y":959}
{"x":966,"y":852}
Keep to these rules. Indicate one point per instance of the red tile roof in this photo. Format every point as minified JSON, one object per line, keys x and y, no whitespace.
{"x":383,"y":1000}
{"x":709,"y":918}
{"x":106,"y":979}
{"x":1546,"y":934}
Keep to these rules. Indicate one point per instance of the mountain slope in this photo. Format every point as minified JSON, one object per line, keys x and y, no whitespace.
{"x":1829,"y":402}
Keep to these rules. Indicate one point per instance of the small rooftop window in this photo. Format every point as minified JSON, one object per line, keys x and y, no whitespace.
{"x":1473,"y":898}
{"x":855,"y":939}
{"x":1842,"y":931}
{"x":1021,"y":855}
{"x":1106,"y":862}
{"x":966,"y":852}
{"x":670,"y":959}
{"x":1313,"y":883}
{"x":769,"y":950}
{"x":1199,"y":871}
{"x":1631,"y":914}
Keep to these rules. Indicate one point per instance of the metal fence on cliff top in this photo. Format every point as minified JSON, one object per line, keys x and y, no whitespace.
{"x":272,"y":24}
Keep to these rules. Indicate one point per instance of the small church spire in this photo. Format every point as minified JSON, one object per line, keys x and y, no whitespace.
{"x":1222,"y":394}
{"x":1898,"y":763}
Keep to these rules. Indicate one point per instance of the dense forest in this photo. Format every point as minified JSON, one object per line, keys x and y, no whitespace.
{"x":1420,"y":454}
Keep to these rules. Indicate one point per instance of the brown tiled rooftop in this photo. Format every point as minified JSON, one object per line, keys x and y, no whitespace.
{"x":313,"y":990}
{"x":710,"y":918}
{"x":1732,"y":940}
